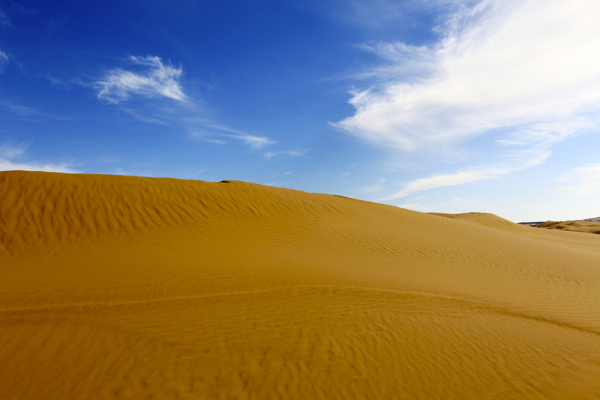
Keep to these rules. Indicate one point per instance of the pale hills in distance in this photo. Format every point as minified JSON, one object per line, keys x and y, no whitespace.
{"x":590,"y":225}
{"x":587,"y":225}
{"x":116,"y":287}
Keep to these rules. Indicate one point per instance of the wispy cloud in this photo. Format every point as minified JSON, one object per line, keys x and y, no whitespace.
{"x":18,"y":109}
{"x":10,"y":152}
{"x":256,"y":142}
{"x":4,"y":20}
{"x":3,"y":61}
{"x":292,"y":153}
{"x":401,"y":61}
{"x":368,"y":13}
{"x":468,"y":176}
{"x":9,"y":161}
{"x":581,"y":181}
{"x":378,"y":187}
{"x":373,"y":14}
{"x":30,"y":113}
{"x":526,"y":69}
{"x":154,"y":80}
{"x":58,"y":82}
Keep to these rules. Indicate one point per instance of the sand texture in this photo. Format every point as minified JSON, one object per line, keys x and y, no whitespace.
{"x":140,"y":288}
{"x":573,"y":226}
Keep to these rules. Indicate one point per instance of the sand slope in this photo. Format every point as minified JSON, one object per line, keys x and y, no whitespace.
{"x":137,"y":288}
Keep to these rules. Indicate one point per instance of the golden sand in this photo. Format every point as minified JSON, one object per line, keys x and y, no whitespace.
{"x":138,"y":288}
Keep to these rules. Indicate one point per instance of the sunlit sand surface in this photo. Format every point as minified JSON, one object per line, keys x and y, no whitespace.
{"x":137,"y":288}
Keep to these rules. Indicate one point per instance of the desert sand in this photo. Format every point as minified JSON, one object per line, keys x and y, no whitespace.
{"x":118,"y":287}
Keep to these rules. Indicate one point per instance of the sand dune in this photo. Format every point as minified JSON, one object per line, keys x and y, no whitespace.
{"x":573,"y":226}
{"x":138,"y":288}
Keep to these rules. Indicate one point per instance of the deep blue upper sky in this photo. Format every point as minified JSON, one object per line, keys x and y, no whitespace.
{"x":435,"y":105}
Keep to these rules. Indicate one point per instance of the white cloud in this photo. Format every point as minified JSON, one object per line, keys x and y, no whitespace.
{"x":461,"y":177}
{"x":456,"y":178}
{"x":583,"y":180}
{"x":8,"y":154}
{"x":257,"y":142}
{"x":156,"y":80}
{"x":527,"y":66}
{"x":210,"y":130}
{"x":402,"y":61}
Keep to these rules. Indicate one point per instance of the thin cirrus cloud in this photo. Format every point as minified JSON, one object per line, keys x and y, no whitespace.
{"x":529,"y":69}
{"x":256,"y":142}
{"x":4,"y":21}
{"x":153,"y":79}
{"x":156,"y":80}
{"x":3,"y":61}
{"x":9,"y":161}
{"x":292,"y":153}
{"x":461,"y":177}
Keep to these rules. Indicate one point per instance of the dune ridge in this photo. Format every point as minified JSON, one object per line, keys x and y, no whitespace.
{"x":133,"y":288}
{"x":41,"y":208}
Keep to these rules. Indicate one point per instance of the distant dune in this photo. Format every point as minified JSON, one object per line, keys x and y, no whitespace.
{"x":574,"y":226}
{"x":118,"y":287}
{"x":550,"y":224}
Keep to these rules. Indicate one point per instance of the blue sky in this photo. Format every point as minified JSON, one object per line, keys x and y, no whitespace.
{"x":433,"y":105}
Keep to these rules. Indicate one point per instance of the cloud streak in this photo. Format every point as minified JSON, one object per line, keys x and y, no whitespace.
{"x":292,"y":153}
{"x":374,"y":188}
{"x":155,"y":80}
{"x":9,"y":156}
{"x":473,"y":175}
{"x":256,"y":142}
{"x":3,"y":61}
